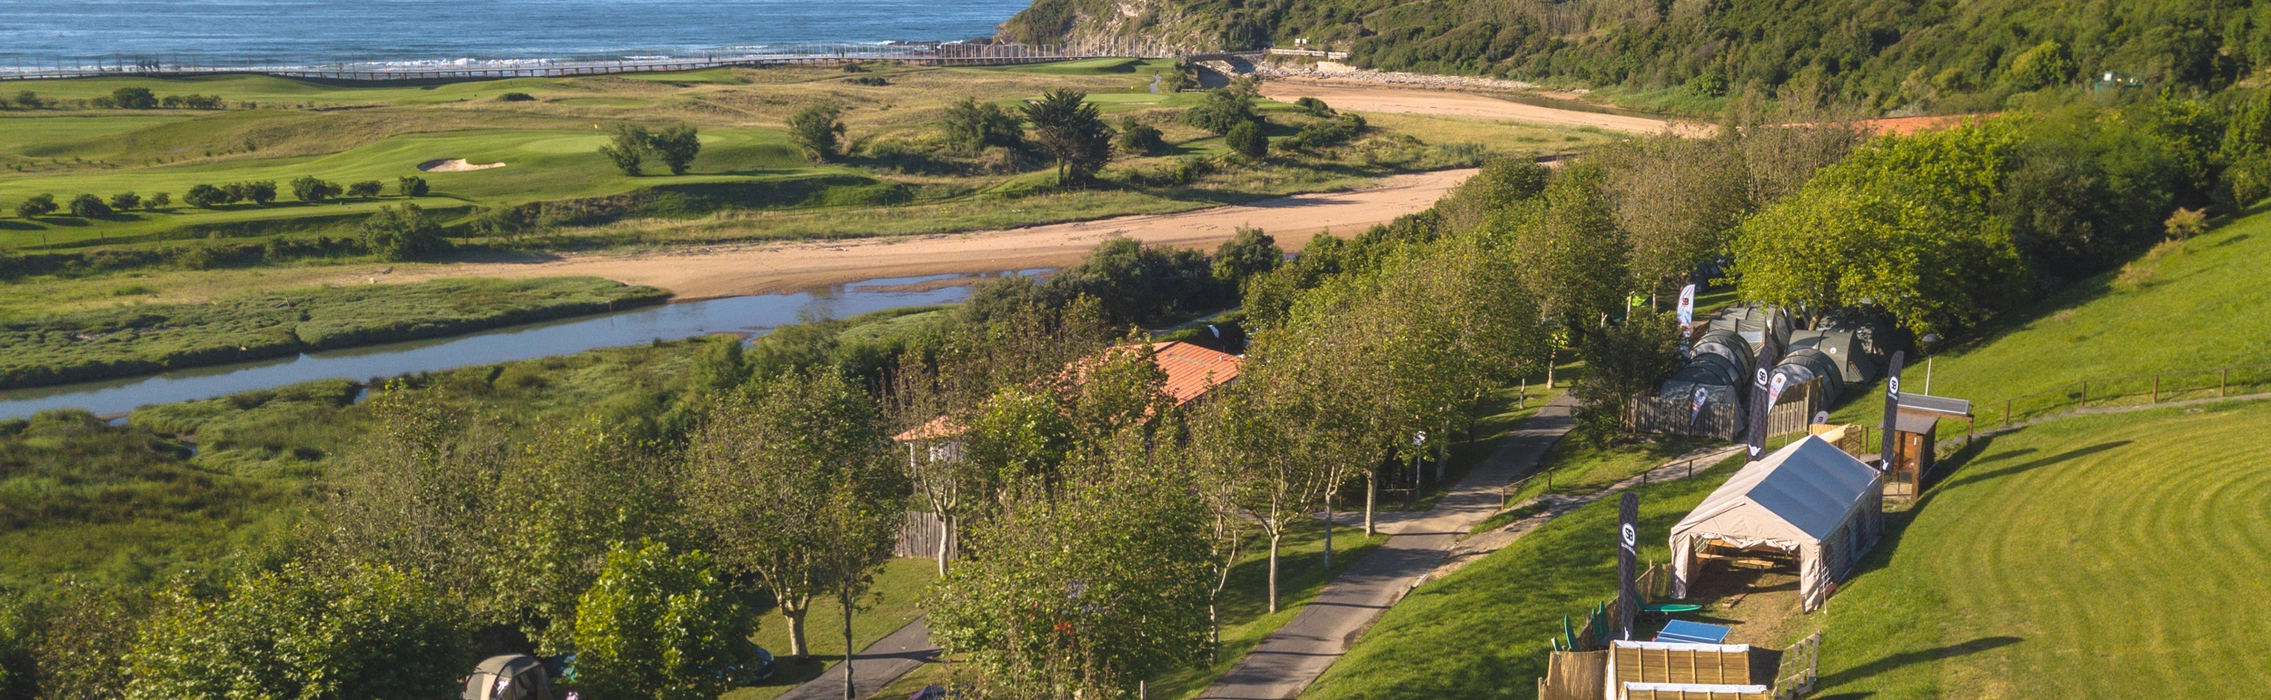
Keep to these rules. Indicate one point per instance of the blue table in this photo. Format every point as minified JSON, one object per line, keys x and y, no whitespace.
{"x":1693,"y":633}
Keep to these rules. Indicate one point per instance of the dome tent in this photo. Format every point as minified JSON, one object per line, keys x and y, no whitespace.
{"x":1809,"y":365}
{"x":1809,"y":499}
{"x":508,"y":677}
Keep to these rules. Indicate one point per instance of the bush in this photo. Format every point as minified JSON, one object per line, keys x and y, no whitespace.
{"x":365,"y":189}
{"x":1222,"y":110}
{"x":817,"y":129}
{"x":87,"y":206}
{"x":125,"y":201}
{"x":204,"y":196}
{"x":1137,"y":137}
{"x":1247,"y":140}
{"x":133,"y":98}
{"x":308,"y":188}
{"x":403,"y":233}
{"x":869,"y":80}
{"x":37,"y":205}
{"x":1313,"y":107}
{"x":261,"y":192}
{"x":2186,"y":223}
{"x":29,"y":100}
{"x":971,"y":126}
{"x":677,"y":146}
{"x":1327,"y":133}
{"x":662,"y":626}
{"x":515,"y":97}
{"x":371,"y":633}
{"x":410,"y":186}
{"x":157,"y":201}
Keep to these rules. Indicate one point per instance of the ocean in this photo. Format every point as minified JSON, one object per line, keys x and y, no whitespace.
{"x":306,"y":32}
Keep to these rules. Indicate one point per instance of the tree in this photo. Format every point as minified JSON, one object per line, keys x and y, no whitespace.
{"x":310,"y":189}
{"x":403,"y":233}
{"x":1018,"y":434}
{"x":818,"y":129}
{"x":1573,"y":254}
{"x":1678,"y":201}
{"x":1071,"y":131}
{"x":560,"y":504}
{"x":36,"y":205}
{"x":676,"y":146}
{"x":204,"y":196}
{"x":628,"y":148}
{"x":777,"y":484}
{"x":365,"y":189}
{"x":1242,"y":429}
{"x":1084,"y":589}
{"x":125,"y":201}
{"x":1248,"y":253}
{"x":1246,"y":139}
{"x":87,"y":206}
{"x":410,"y":186}
{"x":662,"y":626}
{"x":157,"y":201}
{"x":1221,"y":110}
{"x":1622,"y":361}
{"x":133,"y":98}
{"x":972,"y":126}
{"x":2046,"y":65}
{"x":19,"y":618}
{"x":367,"y":632}
{"x":260,"y":192}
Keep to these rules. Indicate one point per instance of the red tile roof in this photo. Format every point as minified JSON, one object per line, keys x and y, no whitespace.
{"x":1191,"y":371}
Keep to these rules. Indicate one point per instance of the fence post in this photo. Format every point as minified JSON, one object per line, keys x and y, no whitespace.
{"x":2006,"y":413}
{"x":2085,"y":395}
{"x":2156,"y":389}
{"x":2223,"y":379}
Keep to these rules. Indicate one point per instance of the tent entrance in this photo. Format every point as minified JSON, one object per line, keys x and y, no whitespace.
{"x":1735,"y":574}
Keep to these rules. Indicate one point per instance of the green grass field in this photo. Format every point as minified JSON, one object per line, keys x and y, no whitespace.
{"x":2191,"y":305}
{"x":2114,"y":556}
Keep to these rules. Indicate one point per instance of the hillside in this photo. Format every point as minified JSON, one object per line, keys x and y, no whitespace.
{"x":1928,"y":54}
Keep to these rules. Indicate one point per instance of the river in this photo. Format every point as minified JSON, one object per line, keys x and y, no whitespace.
{"x":754,"y":315}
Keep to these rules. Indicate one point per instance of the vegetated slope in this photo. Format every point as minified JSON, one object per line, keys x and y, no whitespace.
{"x":129,"y":340}
{"x":1481,"y":632}
{"x":1888,"y":54}
{"x":2196,"y":304}
{"x":2102,"y":556}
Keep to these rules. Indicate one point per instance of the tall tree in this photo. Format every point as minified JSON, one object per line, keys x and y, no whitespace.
{"x":660,"y":625}
{"x":628,"y":148}
{"x":1072,"y":132}
{"x":1241,"y":428}
{"x":676,"y":146}
{"x":769,"y":480}
{"x":819,"y":130}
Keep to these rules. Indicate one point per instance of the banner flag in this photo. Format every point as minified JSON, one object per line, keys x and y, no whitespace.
{"x":1762,"y":399}
{"x":1687,"y":305}
{"x":1628,"y":552}
{"x":1892,"y":412}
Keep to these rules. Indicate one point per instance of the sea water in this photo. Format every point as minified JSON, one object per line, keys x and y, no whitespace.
{"x":310,"y":32}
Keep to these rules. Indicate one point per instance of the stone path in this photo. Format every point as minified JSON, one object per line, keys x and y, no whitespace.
{"x":873,"y":668}
{"x":1297,"y":653}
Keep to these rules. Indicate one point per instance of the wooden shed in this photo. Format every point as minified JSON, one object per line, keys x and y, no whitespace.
{"x":1914,"y":452}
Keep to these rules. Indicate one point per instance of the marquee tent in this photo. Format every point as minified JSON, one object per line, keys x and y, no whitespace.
{"x":1809,"y":499}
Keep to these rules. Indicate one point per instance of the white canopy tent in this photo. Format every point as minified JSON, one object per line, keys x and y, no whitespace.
{"x":1809,"y":499}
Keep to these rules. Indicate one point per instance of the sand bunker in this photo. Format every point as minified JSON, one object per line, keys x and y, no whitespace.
{"x":454,"y":165}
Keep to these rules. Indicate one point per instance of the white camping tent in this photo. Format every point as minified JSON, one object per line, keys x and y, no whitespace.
{"x":1810,"y":499}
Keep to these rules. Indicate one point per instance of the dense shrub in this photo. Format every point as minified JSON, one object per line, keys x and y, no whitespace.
{"x":403,"y":233}
{"x":36,"y":205}
{"x":660,"y":625}
{"x":1246,"y":139}
{"x":1222,"y":110}
{"x":410,"y":186}
{"x":87,"y":206}
{"x":1138,"y":137}
{"x":308,"y":188}
{"x":972,"y":126}
{"x":365,"y":633}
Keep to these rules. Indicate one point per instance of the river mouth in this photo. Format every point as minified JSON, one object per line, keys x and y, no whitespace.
{"x":753,"y":316}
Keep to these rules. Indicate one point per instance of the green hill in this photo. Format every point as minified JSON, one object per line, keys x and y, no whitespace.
{"x":2184,"y":306}
{"x":1936,"y":54}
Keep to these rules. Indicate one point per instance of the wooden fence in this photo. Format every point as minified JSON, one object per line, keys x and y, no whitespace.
{"x":2132,"y":390}
{"x":1801,"y":668}
{"x":919,"y":536}
{"x":1652,"y":414}
{"x":920,"y":53}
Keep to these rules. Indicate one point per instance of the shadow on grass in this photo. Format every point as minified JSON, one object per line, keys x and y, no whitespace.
{"x":1915,"y":657}
{"x":1968,"y":476}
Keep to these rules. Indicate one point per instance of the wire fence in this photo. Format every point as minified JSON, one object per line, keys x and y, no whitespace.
{"x":376,"y":69}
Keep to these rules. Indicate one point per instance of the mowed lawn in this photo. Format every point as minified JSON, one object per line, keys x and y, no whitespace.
{"x":2191,"y":305}
{"x":2116,"y":556}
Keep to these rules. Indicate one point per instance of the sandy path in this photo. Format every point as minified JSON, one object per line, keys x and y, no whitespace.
{"x":1407,"y":101}
{"x":780,"y":267}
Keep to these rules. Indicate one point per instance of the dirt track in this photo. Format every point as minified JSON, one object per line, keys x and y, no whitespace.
{"x":781,"y":267}
{"x":1409,"y":101}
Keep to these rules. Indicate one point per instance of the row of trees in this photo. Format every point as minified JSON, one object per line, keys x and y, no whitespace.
{"x":142,"y":98}
{"x":632,"y":145}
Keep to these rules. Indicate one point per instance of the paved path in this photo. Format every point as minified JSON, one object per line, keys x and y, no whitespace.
{"x":1297,"y":653}
{"x":873,"y":668}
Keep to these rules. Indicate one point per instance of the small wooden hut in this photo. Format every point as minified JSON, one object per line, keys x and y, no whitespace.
{"x":1914,"y":452}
